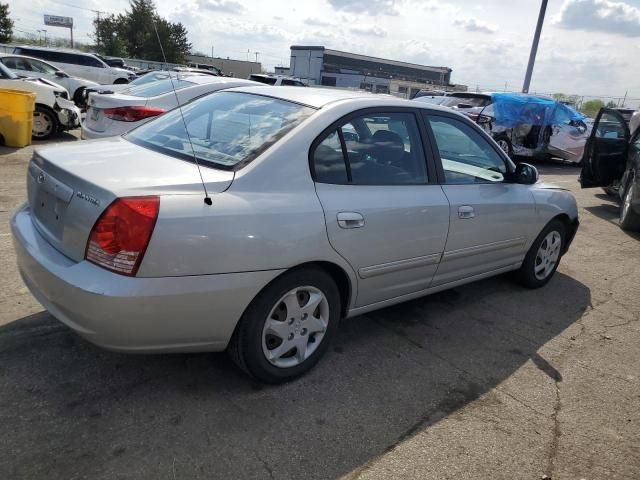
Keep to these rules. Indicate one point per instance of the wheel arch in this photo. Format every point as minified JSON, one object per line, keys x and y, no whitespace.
{"x":571,"y":227}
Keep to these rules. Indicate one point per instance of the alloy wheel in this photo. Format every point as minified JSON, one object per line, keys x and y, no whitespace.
{"x":295,"y":327}
{"x":626,"y":202}
{"x":547,"y":255}
{"x":504,"y":145}
{"x":42,"y":124}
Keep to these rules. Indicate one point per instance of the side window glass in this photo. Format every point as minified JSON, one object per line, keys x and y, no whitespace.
{"x":386,"y":149}
{"x":466,"y":156}
{"x":328,"y":161}
{"x":610,"y":126}
{"x":10,"y":63}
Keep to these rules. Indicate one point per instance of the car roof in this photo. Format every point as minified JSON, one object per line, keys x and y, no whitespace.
{"x":18,"y":55}
{"x":49,"y":49}
{"x":312,"y":96}
{"x":201,"y":79}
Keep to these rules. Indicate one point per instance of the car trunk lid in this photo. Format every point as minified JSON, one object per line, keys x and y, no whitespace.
{"x":96,"y":119}
{"x":69,"y":186}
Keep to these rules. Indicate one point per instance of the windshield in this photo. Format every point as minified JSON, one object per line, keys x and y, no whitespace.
{"x":155,"y":88}
{"x":6,"y":73}
{"x":473,"y":101}
{"x":225,"y":128}
{"x":150,"y":77}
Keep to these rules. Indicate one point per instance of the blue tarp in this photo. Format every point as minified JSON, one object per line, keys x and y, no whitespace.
{"x":512,"y":109}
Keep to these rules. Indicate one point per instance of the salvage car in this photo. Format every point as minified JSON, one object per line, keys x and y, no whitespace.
{"x":114,"y":114}
{"x":53,"y":112}
{"x":35,"y":68}
{"x":246,"y":221}
{"x":612,"y":161}
{"x":532,"y":126}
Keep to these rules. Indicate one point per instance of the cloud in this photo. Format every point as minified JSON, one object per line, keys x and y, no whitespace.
{"x":369,"y":7}
{"x":600,"y":16}
{"x":225,"y":6}
{"x":315,"y":22}
{"x":473,"y":25}
{"x":369,"y":31}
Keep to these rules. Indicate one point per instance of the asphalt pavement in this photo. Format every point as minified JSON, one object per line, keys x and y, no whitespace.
{"x":485,"y":381}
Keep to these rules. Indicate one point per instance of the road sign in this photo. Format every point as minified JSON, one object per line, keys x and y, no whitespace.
{"x":57,"y":21}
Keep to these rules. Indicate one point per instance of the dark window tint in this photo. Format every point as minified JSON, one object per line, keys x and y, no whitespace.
{"x":328,"y":161}
{"x":261,"y":79}
{"x":467,"y":157}
{"x":89,"y":61}
{"x":382,"y":149}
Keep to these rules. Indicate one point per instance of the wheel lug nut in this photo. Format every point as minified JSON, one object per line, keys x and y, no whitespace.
{"x":303,"y":332}
{"x":304,"y":316}
{"x":291,"y":320}
{"x":290,"y":337}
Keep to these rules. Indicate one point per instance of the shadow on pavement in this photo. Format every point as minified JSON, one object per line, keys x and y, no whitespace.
{"x":72,"y":410}
{"x":610,"y":212}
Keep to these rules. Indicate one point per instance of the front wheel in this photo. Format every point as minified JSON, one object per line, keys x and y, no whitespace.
{"x":543,"y":257}
{"x":45,"y":123}
{"x":629,"y":219}
{"x":505,"y":144}
{"x":287,"y":328}
{"x":78,"y":97}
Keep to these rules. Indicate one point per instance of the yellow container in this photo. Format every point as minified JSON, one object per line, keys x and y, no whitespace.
{"x":16,"y":117}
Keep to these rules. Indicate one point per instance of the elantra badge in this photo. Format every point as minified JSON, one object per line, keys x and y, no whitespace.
{"x":88,"y":198}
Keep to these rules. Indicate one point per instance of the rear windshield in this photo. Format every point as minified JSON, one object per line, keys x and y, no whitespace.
{"x":153,"y":89}
{"x":225,"y":129}
{"x":471,"y":100}
{"x":261,"y":79}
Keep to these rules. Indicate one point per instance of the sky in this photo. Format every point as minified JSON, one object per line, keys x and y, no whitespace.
{"x":587,"y":47}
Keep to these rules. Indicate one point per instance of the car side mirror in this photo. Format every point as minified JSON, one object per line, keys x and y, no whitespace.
{"x":61,"y":74}
{"x":526,"y":174}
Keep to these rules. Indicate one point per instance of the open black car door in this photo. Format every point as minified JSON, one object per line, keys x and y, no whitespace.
{"x":605,"y":153}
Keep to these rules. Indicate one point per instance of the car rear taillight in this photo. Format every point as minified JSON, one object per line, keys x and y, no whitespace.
{"x":132,"y":114}
{"x":120,"y":237}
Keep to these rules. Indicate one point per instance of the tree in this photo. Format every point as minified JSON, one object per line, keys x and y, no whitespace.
{"x":6,"y":24}
{"x":133,"y":34}
{"x":611,"y":104}
{"x":591,"y":107}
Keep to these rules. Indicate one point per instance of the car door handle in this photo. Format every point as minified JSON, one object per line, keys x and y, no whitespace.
{"x":350,"y":220}
{"x":466,"y":211}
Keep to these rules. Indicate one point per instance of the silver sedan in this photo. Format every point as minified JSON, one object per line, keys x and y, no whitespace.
{"x":271,"y":213}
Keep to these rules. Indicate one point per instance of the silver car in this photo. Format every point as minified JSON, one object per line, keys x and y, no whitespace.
{"x":267,"y":224}
{"x":118,"y":112}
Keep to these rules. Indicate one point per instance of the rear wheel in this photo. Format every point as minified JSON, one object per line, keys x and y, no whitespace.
{"x":45,"y":123}
{"x":543,"y":257}
{"x":629,"y":219}
{"x":288,"y":326}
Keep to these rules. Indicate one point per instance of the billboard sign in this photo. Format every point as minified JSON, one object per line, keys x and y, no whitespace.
{"x":56,"y":21}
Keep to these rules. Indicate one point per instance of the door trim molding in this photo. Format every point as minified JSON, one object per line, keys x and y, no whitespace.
{"x":390,"y":267}
{"x":486,"y":248}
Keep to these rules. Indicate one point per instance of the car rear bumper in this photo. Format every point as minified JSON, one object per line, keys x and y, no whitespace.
{"x":131,"y":314}
{"x":87,"y":133}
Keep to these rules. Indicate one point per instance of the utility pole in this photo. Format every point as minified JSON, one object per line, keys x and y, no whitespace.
{"x":256,"y":56}
{"x":211,"y":51}
{"x":45,"y":36}
{"x":534,"y":47}
{"x":247,"y":54}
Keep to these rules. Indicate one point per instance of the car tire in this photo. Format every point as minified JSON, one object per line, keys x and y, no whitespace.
{"x":505,"y":144}
{"x":543,"y":258}
{"x":78,"y":97}
{"x":629,"y":219}
{"x":45,"y":123}
{"x":265,"y":342}
{"x":610,"y":190}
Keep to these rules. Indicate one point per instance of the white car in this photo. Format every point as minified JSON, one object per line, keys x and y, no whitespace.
{"x":141,"y":80}
{"x":114,"y":114}
{"x":33,"y":67}
{"x":53,"y":111}
{"x":78,"y":64}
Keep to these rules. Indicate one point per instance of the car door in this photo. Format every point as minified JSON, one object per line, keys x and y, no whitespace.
{"x":568,"y":136}
{"x":384,"y":210}
{"x":491,"y":217}
{"x":605,"y":154}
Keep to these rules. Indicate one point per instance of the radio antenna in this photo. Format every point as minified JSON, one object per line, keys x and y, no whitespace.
{"x":207,"y":198}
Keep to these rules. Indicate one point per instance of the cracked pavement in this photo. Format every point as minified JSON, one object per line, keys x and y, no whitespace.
{"x":483,"y":381}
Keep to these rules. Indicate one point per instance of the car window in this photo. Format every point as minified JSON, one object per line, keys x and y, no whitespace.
{"x":40,"y":67}
{"x":382,"y":149}
{"x":467,"y":157}
{"x":225,"y":129}
{"x":153,"y":89}
{"x":13,"y":63}
{"x":89,"y":61}
{"x":6,"y":73}
{"x":610,"y":126}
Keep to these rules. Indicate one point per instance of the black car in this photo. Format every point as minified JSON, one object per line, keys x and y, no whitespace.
{"x":612,"y":160}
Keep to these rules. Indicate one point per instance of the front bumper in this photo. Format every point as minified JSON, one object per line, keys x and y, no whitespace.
{"x":131,"y":314}
{"x":68,"y":113}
